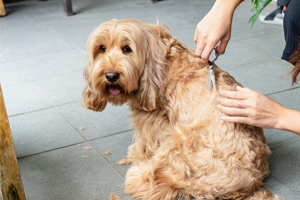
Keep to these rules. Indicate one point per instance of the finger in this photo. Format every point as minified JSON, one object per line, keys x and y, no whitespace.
{"x":233,"y":111}
{"x":242,"y":120}
{"x":206,"y":52}
{"x":231,"y":103}
{"x":242,"y":89}
{"x":239,"y":95}
{"x":222,"y":46}
{"x":196,"y":36}
{"x":199,"y":48}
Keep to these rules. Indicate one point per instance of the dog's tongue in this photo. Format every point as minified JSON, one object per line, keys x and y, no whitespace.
{"x":114,"y":90}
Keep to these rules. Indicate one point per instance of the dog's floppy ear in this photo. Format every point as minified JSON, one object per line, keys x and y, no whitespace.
{"x":90,"y":99}
{"x":152,"y":79}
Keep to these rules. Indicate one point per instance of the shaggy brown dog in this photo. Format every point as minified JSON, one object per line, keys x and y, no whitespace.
{"x":181,"y":148}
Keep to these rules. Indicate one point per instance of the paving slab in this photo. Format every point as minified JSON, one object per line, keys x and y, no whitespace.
{"x":275,"y":136}
{"x":51,"y":65}
{"x":172,"y":23}
{"x":14,"y":20}
{"x":97,"y":124}
{"x":2,"y":58}
{"x":270,"y":44}
{"x":266,"y":77}
{"x":285,"y":164}
{"x":62,"y":89}
{"x":30,"y":41}
{"x":23,"y":98}
{"x":234,"y":57}
{"x":9,"y":75}
{"x":287,"y":99}
{"x":242,"y":30}
{"x":53,"y":10}
{"x":49,"y":49}
{"x":74,"y":31}
{"x":105,"y":6}
{"x":42,"y":131}
{"x":280,"y":190}
{"x":118,"y":145}
{"x":64,"y":174}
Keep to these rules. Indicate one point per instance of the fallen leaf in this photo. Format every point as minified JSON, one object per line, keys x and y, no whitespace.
{"x":87,"y":148}
{"x":106,"y":153}
{"x":84,"y":156}
{"x":123,"y":162}
{"x":81,"y":128}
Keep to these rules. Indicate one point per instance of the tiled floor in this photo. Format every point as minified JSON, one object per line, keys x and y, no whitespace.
{"x":42,"y":56}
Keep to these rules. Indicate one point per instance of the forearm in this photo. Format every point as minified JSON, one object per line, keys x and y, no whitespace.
{"x":229,"y":5}
{"x":290,"y":121}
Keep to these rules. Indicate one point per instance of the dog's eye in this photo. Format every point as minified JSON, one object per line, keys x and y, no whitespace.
{"x":102,"y":48}
{"x":127,"y":49}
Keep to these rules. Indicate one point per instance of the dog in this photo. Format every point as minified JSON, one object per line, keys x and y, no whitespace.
{"x":181,"y":147}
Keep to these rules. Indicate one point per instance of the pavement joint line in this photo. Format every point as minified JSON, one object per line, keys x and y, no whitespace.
{"x":247,"y":37}
{"x":42,"y":25}
{"x":111,"y":134}
{"x":76,"y":129}
{"x":4,"y":57}
{"x":250,"y":63}
{"x":63,"y":104}
{"x":257,"y":50}
{"x":35,"y":56}
{"x":34,"y":154}
{"x":59,"y":75}
{"x":285,"y":141}
{"x":283,"y":90}
{"x":30,"y":112}
{"x":286,"y":186}
{"x":73,"y":126}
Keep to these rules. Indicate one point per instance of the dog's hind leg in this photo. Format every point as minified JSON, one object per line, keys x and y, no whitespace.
{"x":141,"y":183}
{"x":161,"y":177}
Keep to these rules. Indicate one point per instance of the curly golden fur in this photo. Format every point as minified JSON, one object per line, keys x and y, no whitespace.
{"x":182,"y":148}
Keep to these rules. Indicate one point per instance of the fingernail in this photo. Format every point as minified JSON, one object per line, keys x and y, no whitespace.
{"x":217,"y":99}
{"x":221,"y":93}
{"x":222,"y":118}
{"x":218,"y":106}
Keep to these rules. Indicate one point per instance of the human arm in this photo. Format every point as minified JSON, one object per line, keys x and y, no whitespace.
{"x":215,"y":27}
{"x":253,"y":108}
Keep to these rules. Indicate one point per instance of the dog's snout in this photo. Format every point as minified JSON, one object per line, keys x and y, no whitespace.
{"x":112,"y":76}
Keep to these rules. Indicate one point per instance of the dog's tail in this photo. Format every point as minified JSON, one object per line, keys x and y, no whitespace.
{"x":263,"y":194}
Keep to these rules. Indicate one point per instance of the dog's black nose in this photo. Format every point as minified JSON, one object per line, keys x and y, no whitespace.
{"x":112,"y":76}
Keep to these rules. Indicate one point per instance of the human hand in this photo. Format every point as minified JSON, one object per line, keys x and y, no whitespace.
{"x":249,"y":107}
{"x":215,"y":27}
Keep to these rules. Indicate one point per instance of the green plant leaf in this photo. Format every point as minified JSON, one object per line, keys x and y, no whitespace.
{"x":257,"y":8}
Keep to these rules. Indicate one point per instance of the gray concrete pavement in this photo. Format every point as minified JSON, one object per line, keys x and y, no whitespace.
{"x":42,"y":56}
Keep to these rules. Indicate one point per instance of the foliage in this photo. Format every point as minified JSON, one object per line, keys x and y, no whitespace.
{"x":257,"y":8}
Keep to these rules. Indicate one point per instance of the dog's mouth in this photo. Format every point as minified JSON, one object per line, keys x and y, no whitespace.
{"x":114,"y":89}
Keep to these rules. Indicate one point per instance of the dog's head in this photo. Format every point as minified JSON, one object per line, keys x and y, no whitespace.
{"x":126,"y":60}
